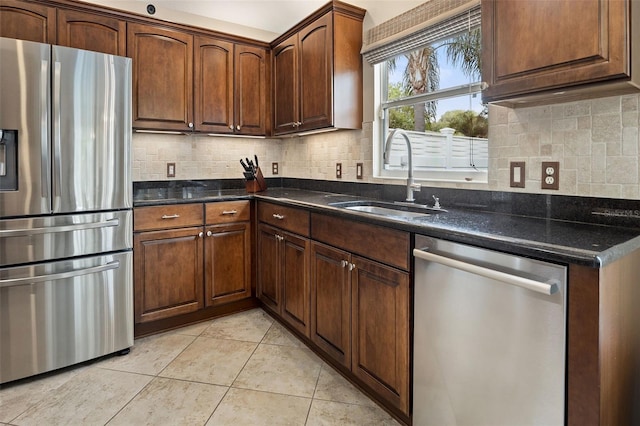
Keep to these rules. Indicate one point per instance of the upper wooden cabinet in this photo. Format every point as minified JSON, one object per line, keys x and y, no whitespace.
{"x":162,"y":77}
{"x":27,"y":21}
{"x":317,"y":72}
{"x":546,"y":47}
{"x":89,"y":31}
{"x":230,"y":87}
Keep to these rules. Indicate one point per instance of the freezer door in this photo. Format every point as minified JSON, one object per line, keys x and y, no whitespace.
{"x":91,"y":131}
{"x":25,"y":126}
{"x":41,"y":239}
{"x":57,"y":314}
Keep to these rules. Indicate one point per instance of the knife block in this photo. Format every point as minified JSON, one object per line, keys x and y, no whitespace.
{"x":258,"y":184}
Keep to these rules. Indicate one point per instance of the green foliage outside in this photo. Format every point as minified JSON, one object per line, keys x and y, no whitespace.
{"x":422,"y":75}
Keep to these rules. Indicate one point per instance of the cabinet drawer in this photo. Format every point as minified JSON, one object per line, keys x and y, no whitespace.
{"x":287,"y":218}
{"x":166,"y":217}
{"x":227,"y":211}
{"x":386,"y":245}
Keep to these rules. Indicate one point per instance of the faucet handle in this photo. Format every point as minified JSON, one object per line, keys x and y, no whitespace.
{"x":436,"y":205}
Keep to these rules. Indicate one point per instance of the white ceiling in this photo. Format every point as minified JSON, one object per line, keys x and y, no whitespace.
{"x":258,"y":19}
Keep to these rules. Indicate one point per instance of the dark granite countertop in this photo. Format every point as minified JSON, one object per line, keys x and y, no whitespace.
{"x":560,"y":241}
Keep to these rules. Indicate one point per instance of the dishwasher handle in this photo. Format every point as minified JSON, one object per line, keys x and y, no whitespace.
{"x":547,"y":288}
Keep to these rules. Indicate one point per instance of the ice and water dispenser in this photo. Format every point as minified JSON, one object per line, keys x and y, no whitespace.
{"x":8,"y":160}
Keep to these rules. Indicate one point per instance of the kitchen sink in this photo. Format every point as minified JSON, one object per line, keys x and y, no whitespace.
{"x":391,"y":210}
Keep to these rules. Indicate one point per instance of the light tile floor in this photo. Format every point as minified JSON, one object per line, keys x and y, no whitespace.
{"x":243,"y":369}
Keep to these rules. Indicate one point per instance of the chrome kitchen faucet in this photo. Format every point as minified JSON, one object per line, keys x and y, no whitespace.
{"x":411,"y":185}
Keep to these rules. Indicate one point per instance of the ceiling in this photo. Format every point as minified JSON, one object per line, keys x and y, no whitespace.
{"x":259,"y":19}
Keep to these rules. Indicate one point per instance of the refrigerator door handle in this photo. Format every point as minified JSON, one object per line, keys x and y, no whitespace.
{"x":61,"y":275}
{"x":44,"y":128}
{"x":62,"y":228}
{"x":57,"y":155}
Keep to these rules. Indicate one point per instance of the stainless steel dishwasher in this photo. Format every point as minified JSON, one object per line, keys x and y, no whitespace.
{"x":489,"y":337}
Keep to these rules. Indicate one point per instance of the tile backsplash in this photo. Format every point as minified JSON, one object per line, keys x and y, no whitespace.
{"x":595,"y":141}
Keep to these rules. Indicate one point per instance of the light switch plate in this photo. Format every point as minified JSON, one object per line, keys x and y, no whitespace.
{"x":171,"y":169}
{"x":517,"y":174}
{"x":359,"y":172}
{"x":339,"y":170}
{"x":274,"y":168}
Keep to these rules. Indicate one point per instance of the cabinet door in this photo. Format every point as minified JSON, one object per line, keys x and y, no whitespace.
{"x":294,"y":258}
{"x":268,"y":287}
{"x":250,"y":90}
{"x":381,"y":330}
{"x":162,"y":77}
{"x":316,"y":74}
{"x":27,"y":21}
{"x":88,"y":31}
{"x":213,"y":85}
{"x":331,"y":302}
{"x":285,"y":86}
{"x":167,"y":273}
{"x":227,"y":263}
{"x":571,"y":43}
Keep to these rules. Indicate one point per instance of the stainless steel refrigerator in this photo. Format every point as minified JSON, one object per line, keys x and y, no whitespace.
{"x":66,"y":216}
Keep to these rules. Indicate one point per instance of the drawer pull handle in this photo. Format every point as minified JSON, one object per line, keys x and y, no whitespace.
{"x":230,"y":212}
{"x":278,"y":216}
{"x":170,"y":216}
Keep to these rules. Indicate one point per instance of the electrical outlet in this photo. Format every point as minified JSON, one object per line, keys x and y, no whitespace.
{"x":550,"y":175}
{"x":171,"y":169}
{"x":359,"y":172}
{"x":517,"y":173}
{"x":274,"y":168}
{"x":339,"y":170}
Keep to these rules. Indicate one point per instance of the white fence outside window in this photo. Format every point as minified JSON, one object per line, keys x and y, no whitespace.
{"x":439,"y":150}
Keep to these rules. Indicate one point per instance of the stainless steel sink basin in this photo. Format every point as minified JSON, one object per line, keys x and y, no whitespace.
{"x":391,"y":210}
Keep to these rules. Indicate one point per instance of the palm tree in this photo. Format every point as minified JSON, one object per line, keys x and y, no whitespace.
{"x":422,"y":73}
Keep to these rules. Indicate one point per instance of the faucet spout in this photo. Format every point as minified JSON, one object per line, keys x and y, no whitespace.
{"x":411,"y":185}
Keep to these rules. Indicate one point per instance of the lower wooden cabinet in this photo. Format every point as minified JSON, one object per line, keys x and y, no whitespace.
{"x":380,"y":329}
{"x":227,"y":263}
{"x":190,"y":257}
{"x":349,"y":296}
{"x":360,"y":317}
{"x":331,"y":302}
{"x":168,"y":273}
{"x":283,"y":277}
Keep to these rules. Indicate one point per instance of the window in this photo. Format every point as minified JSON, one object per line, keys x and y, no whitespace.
{"x":432,"y":92}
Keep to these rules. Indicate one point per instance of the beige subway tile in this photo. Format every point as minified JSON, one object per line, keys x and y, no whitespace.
{"x":629,"y":103}
{"x":622,"y":170}
{"x":577,"y":109}
{"x":609,"y":105}
{"x":605,"y":190}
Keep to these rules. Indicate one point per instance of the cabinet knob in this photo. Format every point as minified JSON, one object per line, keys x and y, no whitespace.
{"x":352,"y":266}
{"x":201,"y":234}
{"x":209,"y":233}
{"x":238,"y":127}
{"x":344,"y":263}
{"x":278,"y":216}
{"x":190,"y":125}
{"x":230,"y":126}
{"x":279,"y":237}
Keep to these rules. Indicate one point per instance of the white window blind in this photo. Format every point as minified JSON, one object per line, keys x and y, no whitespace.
{"x":425,"y":24}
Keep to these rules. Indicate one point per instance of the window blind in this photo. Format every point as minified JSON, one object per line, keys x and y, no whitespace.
{"x":425,"y":24}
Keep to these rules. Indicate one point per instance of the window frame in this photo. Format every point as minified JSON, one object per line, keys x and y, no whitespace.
{"x":380,"y":130}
